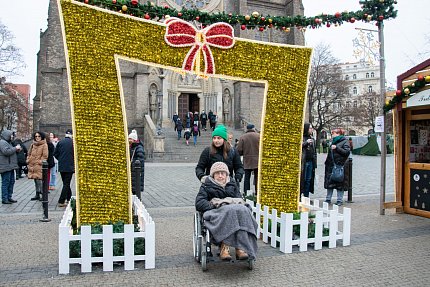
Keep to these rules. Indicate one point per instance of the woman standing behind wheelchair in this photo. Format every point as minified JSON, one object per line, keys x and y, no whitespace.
{"x":229,"y":221}
{"x":338,"y":152}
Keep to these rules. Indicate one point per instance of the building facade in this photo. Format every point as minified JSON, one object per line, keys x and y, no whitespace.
{"x":160,"y":92}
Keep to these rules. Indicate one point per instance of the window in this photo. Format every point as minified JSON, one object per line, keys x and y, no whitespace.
{"x":347,"y":77}
{"x":354,"y":90}
{"x":370,"y":89}
{"x":354,"y":104}
{"x":367,"y":75}
{"x":347,"y":105}
{"x":354,"y":76}
{"x":372,"y":74}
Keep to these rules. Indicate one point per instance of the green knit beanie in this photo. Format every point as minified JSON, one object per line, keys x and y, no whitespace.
{"x":220,"y":131}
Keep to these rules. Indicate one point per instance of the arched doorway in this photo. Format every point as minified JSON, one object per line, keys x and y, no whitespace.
{"x":188,"y":103}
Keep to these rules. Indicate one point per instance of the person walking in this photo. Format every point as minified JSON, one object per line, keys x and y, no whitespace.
{"x":308,"y":161}
{"x":179,"y":128}
{"x":137,"y":152}
{"x":8,"y":164}
{"x":175,"y":119}
{"x":219,"y":150}
{"x":37,"y":153}
{"x":187,"y":135}
{"x":22,"y":158}
{"x":249,"y":147}
{"x":196,"y":133}
{"x":203,"y":119}
{"x":51,"y":160}
{"x":53,"y":171}
{"x":338,"y":153}
{"x":66,"y":166}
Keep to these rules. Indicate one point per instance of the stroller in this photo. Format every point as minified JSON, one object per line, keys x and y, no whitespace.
{"x":202,"y":243}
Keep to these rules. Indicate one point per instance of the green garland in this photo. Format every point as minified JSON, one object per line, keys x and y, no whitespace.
{"x":372,"y":10}
{"x":406,"y":92}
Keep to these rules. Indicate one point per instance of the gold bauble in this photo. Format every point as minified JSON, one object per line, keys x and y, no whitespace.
{"x":407,"y":92}
{"x":255,"y":14}
{"x":427,"y":78}
{"x":124,"y":8}
{"x":247,"y":17}
{"x":270,"y":20}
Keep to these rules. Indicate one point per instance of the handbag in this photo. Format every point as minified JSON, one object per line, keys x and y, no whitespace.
{"x":337,"y":173}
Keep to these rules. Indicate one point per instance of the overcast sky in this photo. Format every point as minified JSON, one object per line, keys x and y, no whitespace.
{"x":406,"y":43}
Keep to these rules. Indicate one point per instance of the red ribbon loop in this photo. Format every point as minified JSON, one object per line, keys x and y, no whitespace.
{"x":180,"y":33}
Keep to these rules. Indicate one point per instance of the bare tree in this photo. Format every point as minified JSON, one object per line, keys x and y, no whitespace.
{"x":369,"y":107}
{"x":11,"y":60}
{"x":326,"y":90}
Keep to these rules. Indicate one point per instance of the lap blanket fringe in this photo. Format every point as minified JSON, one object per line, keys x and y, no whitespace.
{"x":235,"y":226}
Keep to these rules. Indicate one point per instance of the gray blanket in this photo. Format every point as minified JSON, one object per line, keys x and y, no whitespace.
{"x":235,"y":226}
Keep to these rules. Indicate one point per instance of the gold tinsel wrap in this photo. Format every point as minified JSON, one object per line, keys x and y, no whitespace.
{"x":95,"y":36}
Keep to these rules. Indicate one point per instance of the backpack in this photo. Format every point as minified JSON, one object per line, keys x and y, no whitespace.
{"x":195,"y":129}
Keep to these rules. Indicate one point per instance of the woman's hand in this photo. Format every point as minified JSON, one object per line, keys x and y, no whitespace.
{"x":333,"y":146}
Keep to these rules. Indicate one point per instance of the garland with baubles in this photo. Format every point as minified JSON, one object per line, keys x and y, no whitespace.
{"x":406,"y":92}
{"x":372,"y":10}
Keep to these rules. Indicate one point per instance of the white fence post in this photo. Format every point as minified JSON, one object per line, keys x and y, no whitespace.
{"x":128,"y":247}
{"x":346,"y":226}
{"x":304,"y":221}
{"x":332,"y":228}
{"x":150,"y":245}
{"x":265,"y":223}
{"x":63,"y":250}
{"x":86,"y":248}
{"x":319,"y":217}
{"x":107,"y":248}
{"x":274,"y":227}
{"x":287,"y":226}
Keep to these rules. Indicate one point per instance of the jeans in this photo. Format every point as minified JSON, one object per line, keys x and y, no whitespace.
{"x":38,"y":185}
{"x":195,"y":140}
{"x":7,"y":183}
{"x":309,"y":165}
{"x":179,"y":134}
{"x":247,"y":180}
{"x":66,"y":192}
{"x":330,"y":194}
{"x":53,"y":179}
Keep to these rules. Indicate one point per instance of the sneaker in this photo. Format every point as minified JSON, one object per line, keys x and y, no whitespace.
{"x":328,"y":201}
{"x":6,"y":202}
{"x":339,"y":203}
{"x":12,"y":200}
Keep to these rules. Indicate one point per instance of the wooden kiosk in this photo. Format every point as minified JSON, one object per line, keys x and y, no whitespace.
{"x":411,"y":117}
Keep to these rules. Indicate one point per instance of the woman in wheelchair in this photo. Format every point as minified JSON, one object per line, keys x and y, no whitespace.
{"x":226,"y":216}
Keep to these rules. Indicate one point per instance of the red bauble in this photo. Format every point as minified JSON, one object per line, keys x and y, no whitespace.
{"x":113,"y":1}
{"x":230,"y":15}
{"x":146,"y":16}
{"x":337,"y":14}
{"x":166,"y":6}
{"x":317,"y":21}
{"x":261,"y":29}
{"x":263,"y":19}
{"x":328,"y":25}
{"x":352,"y":20}
{"x":420,"y":78}
{"x":197,"y":18}
{"x":270,"y":25}
{"x":243,"y":27}
{"x":179,"y":14}
{"x":380,"y":17}
{"x":283,"y":28}
{"x":86,"y":1}
{"x":398,"y":93}
{"x":134,"y":2}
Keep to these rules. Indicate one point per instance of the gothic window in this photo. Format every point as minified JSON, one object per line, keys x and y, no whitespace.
{"x":347,"y":77}
{"x":367,"y":75}
{"x":354,"y":104}
{"x":347,"y":105}
{"x":354,"y":90}
{"x":372,"y":74}
{"x":370,"y":89}
{"x":354,"y":76}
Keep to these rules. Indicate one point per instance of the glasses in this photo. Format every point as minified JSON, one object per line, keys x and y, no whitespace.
{"x":37,"y":136}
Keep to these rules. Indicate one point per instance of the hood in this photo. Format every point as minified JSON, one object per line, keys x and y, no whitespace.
{"x":6,"y":135}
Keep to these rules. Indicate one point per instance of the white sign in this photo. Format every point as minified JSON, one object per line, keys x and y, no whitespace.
{"x":379,"y":124}
{"x":419,"y":99}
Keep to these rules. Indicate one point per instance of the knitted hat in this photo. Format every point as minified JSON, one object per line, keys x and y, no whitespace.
{"x":219,"y":166}
{"x":220,"y":131}
{"x":69,"y":132}
{"x":133,"y":135}
{"x":250,"y":126}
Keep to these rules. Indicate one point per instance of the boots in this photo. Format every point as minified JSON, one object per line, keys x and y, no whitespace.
{"x":241,"y":255}
{"x":37,"y":197}
{"x":225,"y":252}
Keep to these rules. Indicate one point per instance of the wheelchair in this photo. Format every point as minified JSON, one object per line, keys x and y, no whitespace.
{"x":202,"y":243}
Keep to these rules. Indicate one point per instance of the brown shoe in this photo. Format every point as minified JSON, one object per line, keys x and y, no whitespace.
{"x":225,"y":252}
{"x":62,"y":204}
{"x":241,"y":255}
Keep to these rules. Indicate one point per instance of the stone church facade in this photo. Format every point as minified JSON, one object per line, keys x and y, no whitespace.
{"x":159,"y":92}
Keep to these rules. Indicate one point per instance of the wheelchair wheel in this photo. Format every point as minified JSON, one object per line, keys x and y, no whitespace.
{"x":204,"y":258}
{"x":197,"y":238}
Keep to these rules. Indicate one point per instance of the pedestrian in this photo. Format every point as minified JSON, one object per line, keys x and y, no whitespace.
{"x":188,"y":119}
{"x":351,"y":145}
{"x":196,"y":118}
{"x":195,"y":132}
{"x":213,"y":120}
{"x":137,"y":152}
{"x":308,"y":161}
{"x":37,"y":153}
{"x":51,"y":160}
{"x":8,"y":164}
{"x":53,"y":171}
{"x":226,"y":216}
{"x":187,"y":135}
{"x":22,"y":158}
{"x":338,"y":153}
{"x":219,"y":150}
{"x":175,"y":118}
{"x":179,"y":128}
{"x":66,"y":166}
{"x":203,"y":119}
{"x":249,"y":148}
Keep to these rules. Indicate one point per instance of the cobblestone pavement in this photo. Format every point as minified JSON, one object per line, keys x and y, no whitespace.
{"x":385,"y":250}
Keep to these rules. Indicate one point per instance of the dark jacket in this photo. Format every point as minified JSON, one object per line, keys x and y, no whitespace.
{"x":51,"y":150}
{"x":232,"y":161}
{"x":210,"y":189}
{"x":187,"y":134}
{"x":340,"y":155}
{"x":22,"y":154}
{"x":137,"y":153}
{"x":203,"y":118}
{"x":8,"y":158}
{"x":179,"y":125}
{"x":65,"y":156}
{"x":308,"y":153}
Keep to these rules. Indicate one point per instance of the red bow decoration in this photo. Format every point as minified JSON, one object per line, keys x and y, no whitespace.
{"x":180,"y":33}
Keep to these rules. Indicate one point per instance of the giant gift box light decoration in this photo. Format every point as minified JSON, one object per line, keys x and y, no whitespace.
{"x":95,"y":40}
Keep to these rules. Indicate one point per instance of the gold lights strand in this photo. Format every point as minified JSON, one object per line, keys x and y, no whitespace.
{"x":94,"y":36}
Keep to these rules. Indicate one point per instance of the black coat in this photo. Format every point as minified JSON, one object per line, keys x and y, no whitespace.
{"x":233,"y":162}
{"x":210,"y":189}
{"x":310,"y":148}
{"x":137,"y":153}
{"x":65,"y":156}
{"x":51,"y":150}
{"x":340,"y":155}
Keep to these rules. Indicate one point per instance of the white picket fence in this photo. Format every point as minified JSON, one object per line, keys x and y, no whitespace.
{"x":339,"y":226}
{"x":147,"y":227}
